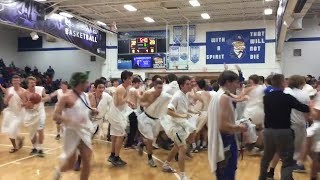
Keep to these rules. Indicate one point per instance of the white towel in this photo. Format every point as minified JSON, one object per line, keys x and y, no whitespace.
{"x":215,"y":144}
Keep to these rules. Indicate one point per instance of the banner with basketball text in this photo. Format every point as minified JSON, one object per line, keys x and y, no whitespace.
{"x":32,"y":15}
{"x":236,"y":46}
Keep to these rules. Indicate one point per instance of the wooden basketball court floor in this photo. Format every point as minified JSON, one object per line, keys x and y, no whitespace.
{"x":22,"y":166}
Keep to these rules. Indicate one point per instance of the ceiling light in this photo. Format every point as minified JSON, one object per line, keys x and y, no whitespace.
{"x":66,"y":14}
{"x":268,"y":0}
{"x":34,"y":36}
{"x":205,"y":16}
{"x":148,"y":19}
{"x":129,"y":7}
{"x":194,"y":3}
{"x":268,"y":11}
{"x":101,"y":23}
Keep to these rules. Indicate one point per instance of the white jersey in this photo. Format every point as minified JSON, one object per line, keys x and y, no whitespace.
{"x":160,"y":106}
{"x":297,"y":117}
{"x":39,"y":90}
{"x":119,"y":117}
{"x":14,"y":105}
{"x":12,"y":115}
{"x":180,"y":104}
{"x":37,"y":113}
{"x":79,"y":128}
{"x":254,"y":106}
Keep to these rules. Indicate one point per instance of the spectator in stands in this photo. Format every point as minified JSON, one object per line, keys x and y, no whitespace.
{"x":2,"y":63}
{"x":50,"y":72}
{"x":27,"y":69}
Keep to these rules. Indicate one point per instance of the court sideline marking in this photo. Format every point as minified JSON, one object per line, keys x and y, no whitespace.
{"x":28,"y":157}
{"x":30,"y":147}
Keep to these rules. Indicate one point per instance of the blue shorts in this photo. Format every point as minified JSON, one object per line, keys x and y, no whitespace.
{"x":226,"y":170}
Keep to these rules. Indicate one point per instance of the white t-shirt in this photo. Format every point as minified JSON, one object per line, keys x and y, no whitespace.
{"x":298,"y":117}
{"x":179,"y":103}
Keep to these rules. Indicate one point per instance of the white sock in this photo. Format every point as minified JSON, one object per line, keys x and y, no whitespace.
{"x":199,"y":143}
{"x":39,"y":146}
{"x":204,"y":143}
{"x":57,"y":175}
{"x":34,"y":146}
{"x":194,"y":145}
{"x":299,"y":163}
{"x":182,"y":173}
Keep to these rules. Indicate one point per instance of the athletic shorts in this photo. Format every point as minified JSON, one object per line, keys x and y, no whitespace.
{"x":180,"y":138}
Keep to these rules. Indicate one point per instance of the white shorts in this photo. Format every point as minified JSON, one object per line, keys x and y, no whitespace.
{"x":42,"y":121}
{"x":148,"y":127}
{"x":202,"y":120}
{"x":180,"y":138}
{"x":256,"y":115}
{"x":118,"y":122}
{"x":300,"y":133}
{"x":11,"y":123}
{"x":71,"y":142}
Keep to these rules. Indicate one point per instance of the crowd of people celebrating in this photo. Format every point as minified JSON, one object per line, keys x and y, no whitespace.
{"x":273,"y":117}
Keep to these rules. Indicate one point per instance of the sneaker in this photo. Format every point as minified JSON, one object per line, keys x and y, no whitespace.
{"x":58,"y":137}
{"x":129,"y":147}
{"x":118,"y":163}
{"x":299,"y":168}
{"x":122,"y":162}
{"x":33,"y":152}
{"x":188,"y":156}
{"x":195,"y":150}
{"x":168,"y":169}
{"x":40,"y":153}
{"x":110,"y":159}
{"x":155,"y":146}
{"x":204,"y":148}
{"x":57,"y":175}
{"x":152,"y":163}
{"x":270,"y":176}
{"x":77,"y":166}
{"x":183,"y":176}
{"x":255,"y":152}
{"x":140,"y":149}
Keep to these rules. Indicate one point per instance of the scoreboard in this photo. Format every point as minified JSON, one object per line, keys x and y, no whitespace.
{"x":143,"y":45}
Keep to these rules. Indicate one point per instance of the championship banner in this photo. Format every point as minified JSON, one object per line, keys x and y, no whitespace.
{"x":192,"y":33}
{"x":236,"y":47}
{"x":31,"y":14}
{"x":194,"y":54}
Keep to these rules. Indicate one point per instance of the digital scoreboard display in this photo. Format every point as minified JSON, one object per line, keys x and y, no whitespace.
{"x":143,"y":45}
